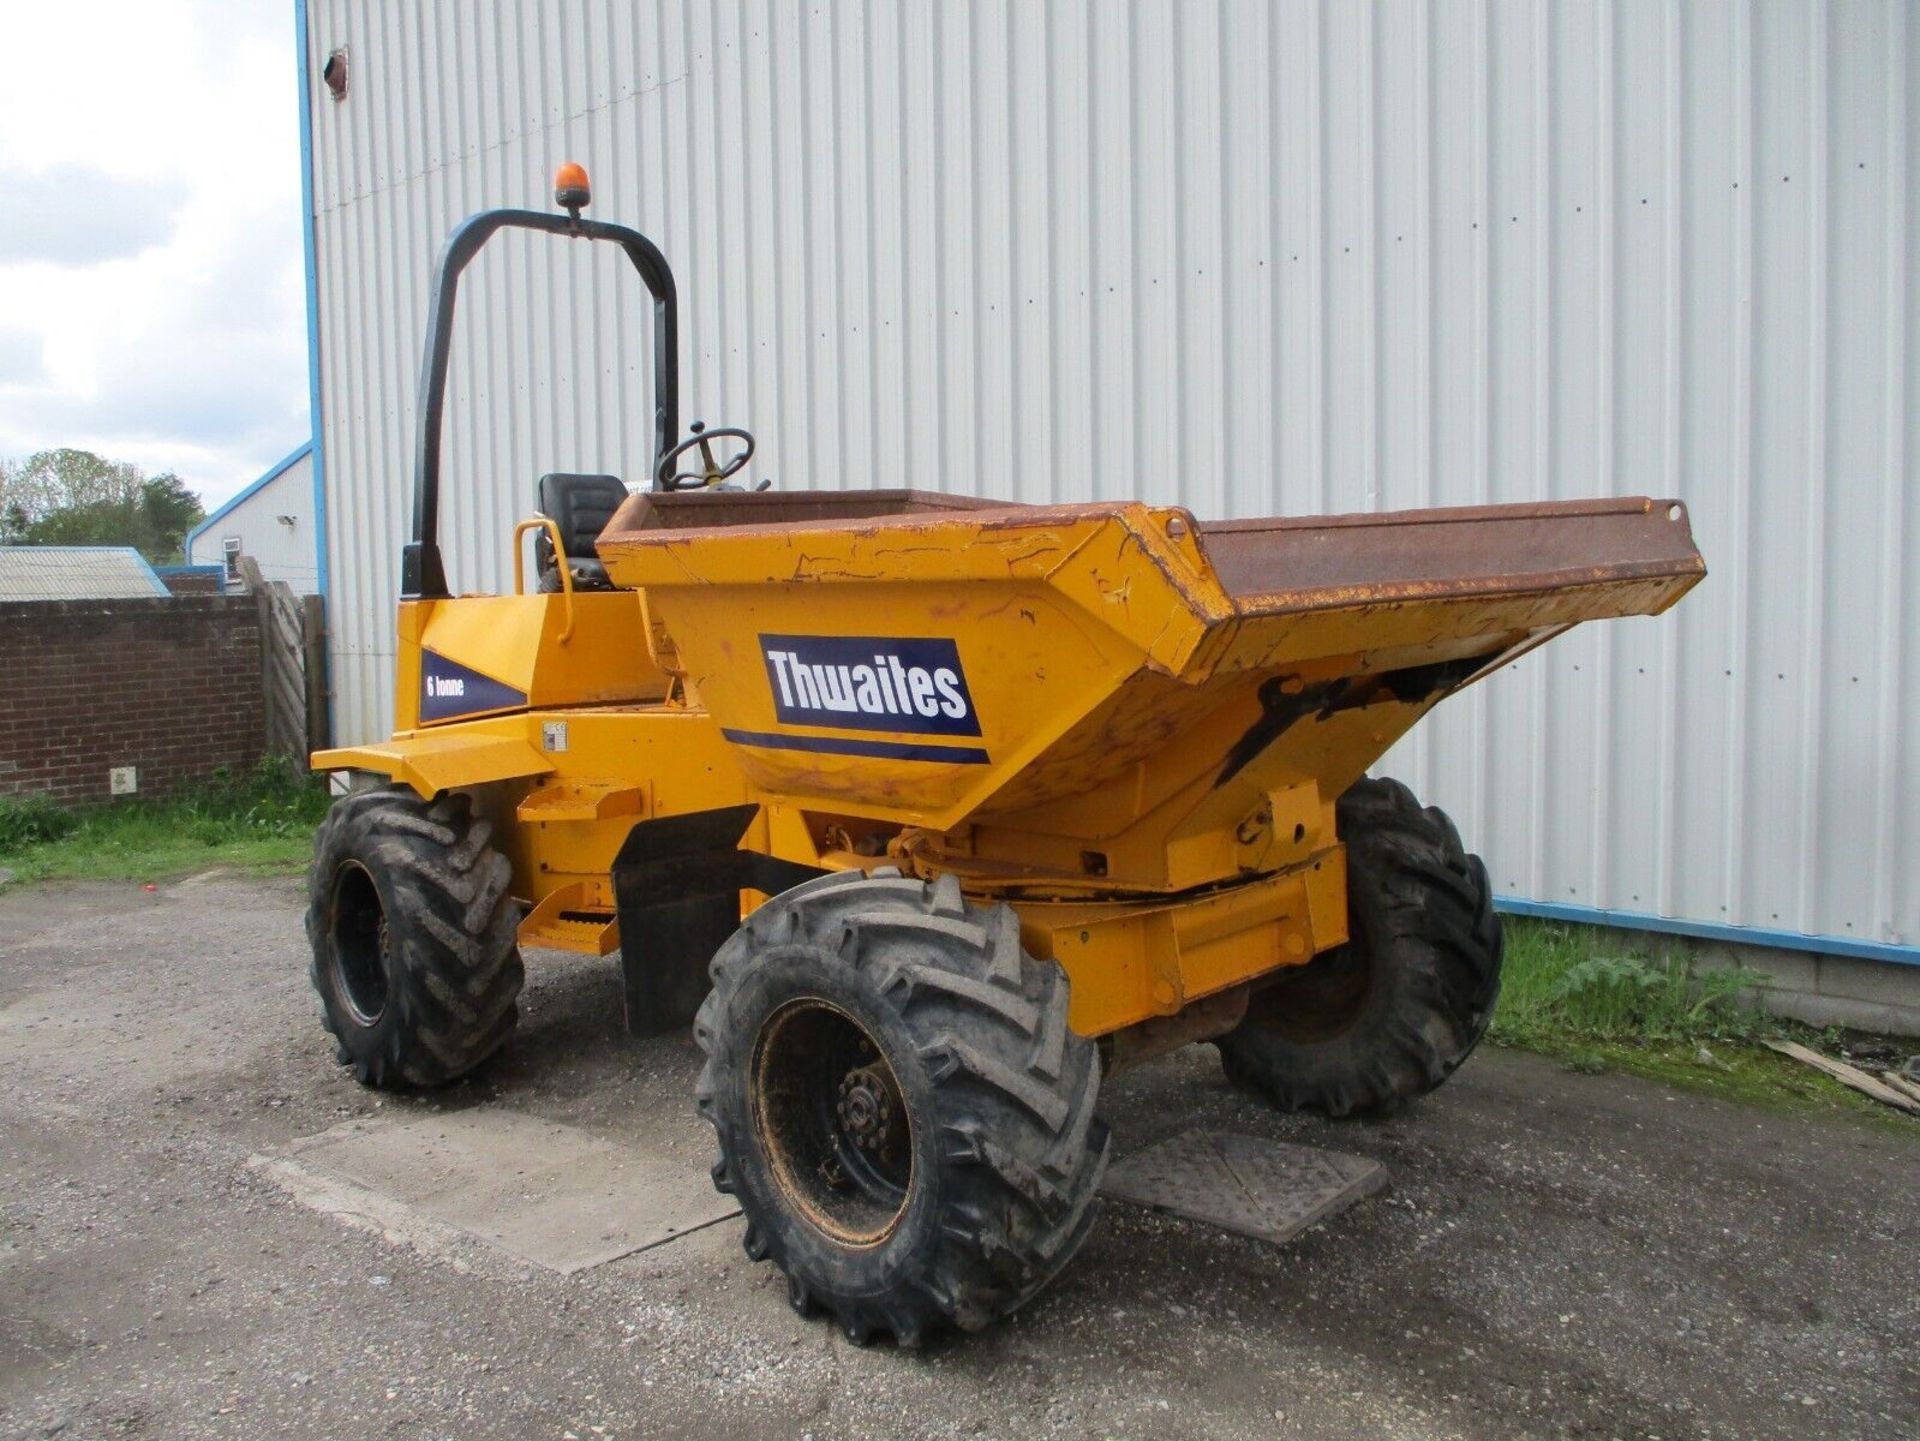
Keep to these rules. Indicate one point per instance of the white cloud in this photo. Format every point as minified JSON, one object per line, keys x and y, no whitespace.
{"x":150,"y":236}
{"x":21,"y":351}
{"x":80,"y":215}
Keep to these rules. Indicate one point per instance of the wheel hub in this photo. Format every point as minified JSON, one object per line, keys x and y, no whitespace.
{"x":362,"y":948}
{"x":832,"y":1121}
{"x":866,"y":1108}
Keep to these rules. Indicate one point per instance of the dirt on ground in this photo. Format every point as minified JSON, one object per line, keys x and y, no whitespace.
{"x":1558,"y":1255}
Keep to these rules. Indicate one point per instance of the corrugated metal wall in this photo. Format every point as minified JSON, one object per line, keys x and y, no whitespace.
{"x":1254,"y":258}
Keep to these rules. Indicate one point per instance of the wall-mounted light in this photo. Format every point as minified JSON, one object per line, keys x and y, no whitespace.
{"x":285,"y":520}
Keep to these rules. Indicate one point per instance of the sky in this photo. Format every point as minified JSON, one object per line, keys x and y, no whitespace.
{"x":152,"y":305}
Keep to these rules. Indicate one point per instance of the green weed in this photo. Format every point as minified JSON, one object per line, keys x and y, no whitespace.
{"x":32,"y":820}
{"x":262,"y":820}
{"x":1563,"y":981}
{"x":1582,"y":996}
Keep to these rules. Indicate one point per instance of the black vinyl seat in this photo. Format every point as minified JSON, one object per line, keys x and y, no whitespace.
{"x":581,"y":505}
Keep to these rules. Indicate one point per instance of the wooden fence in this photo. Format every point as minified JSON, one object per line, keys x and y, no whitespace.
{"x":293,"y":663}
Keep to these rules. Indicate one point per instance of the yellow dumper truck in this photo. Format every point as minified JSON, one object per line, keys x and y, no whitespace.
{"x":927,"y":812}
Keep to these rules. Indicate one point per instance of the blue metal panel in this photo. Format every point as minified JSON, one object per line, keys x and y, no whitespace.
{"x":313,"y":303}
{"x":1708,"y":931}
{"x":307,"y":225}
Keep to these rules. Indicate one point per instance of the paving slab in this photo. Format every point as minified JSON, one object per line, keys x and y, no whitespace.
{"x":1269,"y":1190}
{"x":552,"y":1194}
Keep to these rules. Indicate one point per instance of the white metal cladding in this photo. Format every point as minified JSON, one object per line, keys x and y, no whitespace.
{"x":1253,"y":258}
{"x":273,"y":521}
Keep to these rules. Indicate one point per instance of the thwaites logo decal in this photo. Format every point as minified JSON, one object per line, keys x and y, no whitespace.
{"x":449,"y":690}
{"x":902,"y":685}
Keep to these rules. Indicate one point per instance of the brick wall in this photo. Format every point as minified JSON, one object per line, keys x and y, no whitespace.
{"x":170,"y":686}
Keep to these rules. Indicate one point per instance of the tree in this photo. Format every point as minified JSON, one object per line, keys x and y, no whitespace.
{"x":74,"y":497}
{"x":168,"y":510}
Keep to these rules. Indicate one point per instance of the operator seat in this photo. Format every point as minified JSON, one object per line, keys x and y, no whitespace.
{"x":581,"y":505}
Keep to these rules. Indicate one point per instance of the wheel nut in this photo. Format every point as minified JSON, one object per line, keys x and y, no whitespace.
{"x":865,"y":1108}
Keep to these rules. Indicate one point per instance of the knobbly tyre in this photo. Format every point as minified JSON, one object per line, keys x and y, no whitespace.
{"x":929,"y":812}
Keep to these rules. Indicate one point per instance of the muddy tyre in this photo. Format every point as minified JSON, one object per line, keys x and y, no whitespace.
{"x":903,"y":1114}
{"x":1370,"y":1025}
{"x":414,"y":937}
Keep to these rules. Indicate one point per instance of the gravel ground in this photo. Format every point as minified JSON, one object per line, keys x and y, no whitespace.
{"x":1560,"y":1255}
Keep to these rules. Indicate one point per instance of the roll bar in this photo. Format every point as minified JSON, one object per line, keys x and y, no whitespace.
{"x":422,"y":574}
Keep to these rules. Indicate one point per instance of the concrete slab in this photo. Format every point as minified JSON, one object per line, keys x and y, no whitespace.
{"x":1269,"y":1190}
{"x":554,"y":1195}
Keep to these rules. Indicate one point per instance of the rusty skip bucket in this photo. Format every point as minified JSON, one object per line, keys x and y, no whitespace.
{"x":938,"y":661}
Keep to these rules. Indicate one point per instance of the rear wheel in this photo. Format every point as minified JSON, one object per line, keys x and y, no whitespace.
{"x":902,"y":1111}
{"x":1388,"y":1016}
{"x":413,"y":935}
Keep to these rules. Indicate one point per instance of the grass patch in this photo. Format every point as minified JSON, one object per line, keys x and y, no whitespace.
{"x":1583,"y":996}
{"x":261,"y":822}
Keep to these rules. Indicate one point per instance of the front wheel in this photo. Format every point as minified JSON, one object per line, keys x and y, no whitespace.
{"x":902,"y":1111}
{"x":414,"y":937}
{"x":1388,"y":1016}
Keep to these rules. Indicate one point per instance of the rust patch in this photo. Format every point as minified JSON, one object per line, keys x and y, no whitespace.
{"x":1277,"y":565}
{"x":1202,"y":1020}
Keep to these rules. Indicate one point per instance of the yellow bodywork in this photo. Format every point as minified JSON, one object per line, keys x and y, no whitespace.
{"x":1138,"y":741}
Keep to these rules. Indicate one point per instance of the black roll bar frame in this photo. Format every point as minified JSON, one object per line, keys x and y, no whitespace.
{"x":423,"y":575}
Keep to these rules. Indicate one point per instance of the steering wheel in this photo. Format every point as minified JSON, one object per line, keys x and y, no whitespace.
{"x":710,"y":472}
